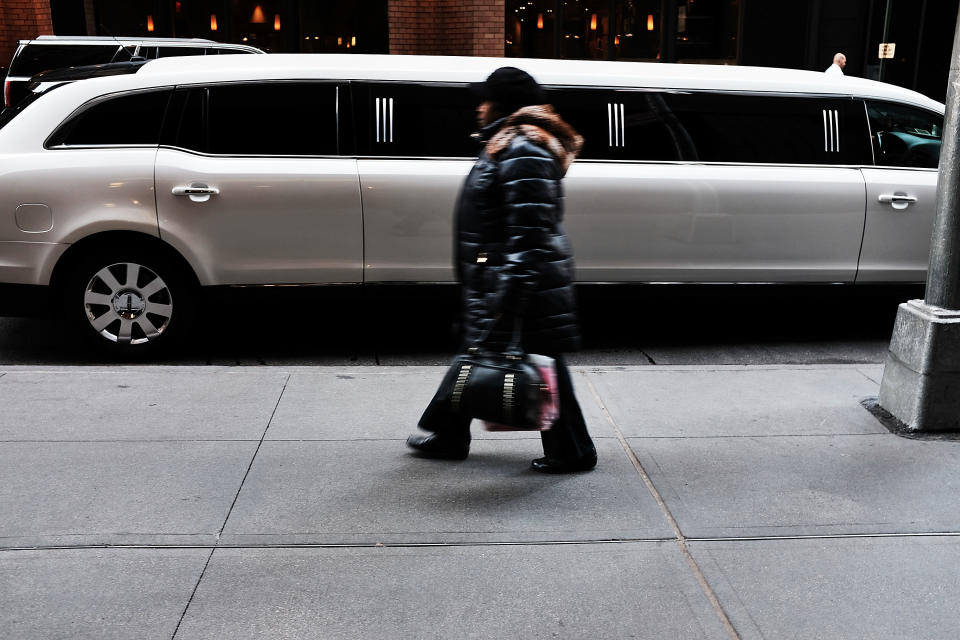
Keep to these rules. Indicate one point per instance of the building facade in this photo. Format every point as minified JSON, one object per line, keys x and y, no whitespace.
{"x":801,"y":35}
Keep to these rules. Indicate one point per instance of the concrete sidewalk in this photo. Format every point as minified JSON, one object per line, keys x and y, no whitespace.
{"x":280,"y":502}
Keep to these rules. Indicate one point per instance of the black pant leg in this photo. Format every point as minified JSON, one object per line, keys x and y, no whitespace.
{"x":568,"y":439}
{"x":441,"y":420}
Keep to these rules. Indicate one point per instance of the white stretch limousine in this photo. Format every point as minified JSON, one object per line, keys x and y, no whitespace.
{"x":124,"y":194}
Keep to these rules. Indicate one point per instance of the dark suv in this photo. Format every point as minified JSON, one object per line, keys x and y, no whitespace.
{"x":57,"y":52}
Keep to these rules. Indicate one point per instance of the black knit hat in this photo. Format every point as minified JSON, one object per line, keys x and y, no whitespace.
{"x":509,"y":88}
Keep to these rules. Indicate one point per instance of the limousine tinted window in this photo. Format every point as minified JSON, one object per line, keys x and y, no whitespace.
{"x":415,"y":120}
{"x":903,"y":136}
{"x":621,"y":125}
{"x":770,"y":129}
{"x":184,"y":125}
{"x":127,"y":119}
{"x":277,"y":118}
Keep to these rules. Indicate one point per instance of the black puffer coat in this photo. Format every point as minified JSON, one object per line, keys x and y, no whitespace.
{"x":513,"y":258}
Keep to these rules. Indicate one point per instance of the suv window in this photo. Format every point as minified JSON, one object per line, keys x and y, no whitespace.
{"x":34,"y":58}
{"x":274,"y":118}
{"x":904,"y":136}
{"x":132,"y":119}
{"x":424,"y":120}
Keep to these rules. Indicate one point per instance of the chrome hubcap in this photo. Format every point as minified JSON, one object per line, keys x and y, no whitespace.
{"x":128,"y":303}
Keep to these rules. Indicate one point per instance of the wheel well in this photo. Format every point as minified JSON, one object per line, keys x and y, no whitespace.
{"x":109,"y":240}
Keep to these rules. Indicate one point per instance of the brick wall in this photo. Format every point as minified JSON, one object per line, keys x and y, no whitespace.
{"x":446,"y":27}
{"x":21,"y":19}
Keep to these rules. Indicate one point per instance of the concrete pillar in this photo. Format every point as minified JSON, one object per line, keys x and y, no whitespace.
{"x":921,"y":379}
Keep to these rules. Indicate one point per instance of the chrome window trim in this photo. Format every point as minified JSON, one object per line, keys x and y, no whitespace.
{"x":203,"y":154}
{"x":63,"y":147}
{"x":653,"y":162}
{"x":866,"y":114}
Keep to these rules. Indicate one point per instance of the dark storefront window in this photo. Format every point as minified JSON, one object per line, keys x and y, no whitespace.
{"x":275,"y":26}
{"x":707,"y":29}
{"x":637,"y":30}
{"x":344,"y":27}
{"x":531,"y":28}
{"x":695,"y":30}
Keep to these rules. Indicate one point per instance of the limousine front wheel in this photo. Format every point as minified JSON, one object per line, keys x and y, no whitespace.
{"x":128,"y":305}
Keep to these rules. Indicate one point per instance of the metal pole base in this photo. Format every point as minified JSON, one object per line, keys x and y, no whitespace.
{"x":921,"y":379}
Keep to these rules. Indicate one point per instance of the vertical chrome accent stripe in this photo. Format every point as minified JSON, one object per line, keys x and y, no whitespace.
{"x":377,"y":120}
{"x":836,"y":118}
{"x":391,"y":119}
{"x":609,"y":124}
{"x":336,"y":107}
{"x":825,"y":145}
{"x":623,"y":126}
{"x":616,"y":125}
{"x":830,"y":122}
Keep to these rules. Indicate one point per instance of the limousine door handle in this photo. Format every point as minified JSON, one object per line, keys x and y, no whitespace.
{"x":898,"y":200}
{"x":197,"y":192}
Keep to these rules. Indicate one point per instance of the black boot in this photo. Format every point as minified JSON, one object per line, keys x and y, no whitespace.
{"x":439,"y":447}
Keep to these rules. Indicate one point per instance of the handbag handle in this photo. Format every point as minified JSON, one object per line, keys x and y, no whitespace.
{"x":513,"y":350}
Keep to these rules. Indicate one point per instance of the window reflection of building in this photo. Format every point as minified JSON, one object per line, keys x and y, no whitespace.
{"x":623,"y":29}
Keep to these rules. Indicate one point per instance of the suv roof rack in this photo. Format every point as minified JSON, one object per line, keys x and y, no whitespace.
{"x":122,"y":39}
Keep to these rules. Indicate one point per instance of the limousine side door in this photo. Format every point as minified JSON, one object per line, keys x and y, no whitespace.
{"x":702,"y":187}
{"x":414,"y":148}
{"x":901,"y":193}
{"x":250,"y":187}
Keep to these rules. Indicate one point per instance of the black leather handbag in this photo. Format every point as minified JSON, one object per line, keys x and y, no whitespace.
{"x":502,"y":388}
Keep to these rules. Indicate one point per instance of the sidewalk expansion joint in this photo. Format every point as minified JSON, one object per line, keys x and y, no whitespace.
{"x":868,"y":377}
{"x":679,"y":537}
{"x":219,"y":546}
{"x":193,"y":593}
{"x":253,"y":457}
{"x":488,"y":543}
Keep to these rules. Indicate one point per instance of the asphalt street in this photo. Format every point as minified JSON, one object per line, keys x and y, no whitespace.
{"x":621,"y":326}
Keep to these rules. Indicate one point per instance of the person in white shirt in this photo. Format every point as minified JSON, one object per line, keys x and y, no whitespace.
{"x":839,"y":62}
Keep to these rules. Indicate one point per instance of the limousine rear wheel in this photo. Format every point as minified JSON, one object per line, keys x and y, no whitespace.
{"x":129,"y":303}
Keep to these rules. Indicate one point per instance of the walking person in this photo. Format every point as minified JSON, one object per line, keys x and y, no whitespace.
{"x":839,"y":62}
{"x":514,"y":261}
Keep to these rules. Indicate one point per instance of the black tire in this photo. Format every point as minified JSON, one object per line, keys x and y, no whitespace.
{"x":134,"y":303}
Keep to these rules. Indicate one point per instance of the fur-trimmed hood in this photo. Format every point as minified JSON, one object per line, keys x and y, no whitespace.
{"x":543,"y":127}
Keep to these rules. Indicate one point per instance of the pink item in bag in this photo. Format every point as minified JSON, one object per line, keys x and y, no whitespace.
{"x":550,"y":398}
